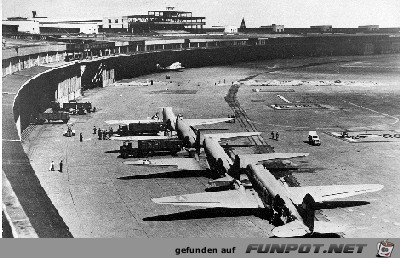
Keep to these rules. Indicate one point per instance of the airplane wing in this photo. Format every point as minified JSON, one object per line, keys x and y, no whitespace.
{"x":219,"y":136}
{"x":223,"y":181}
{"x":328,"y":227}
{"x":331,"y":192}
{"x":255,"y":158}
{"x":194,"y":122}
{"x":291,"y":229}
{"x":138,"y":138}
{"x":125,"y":122}
{"x":297,"y":228}
{"x":223,"y":199}
{"x":180,"y":163}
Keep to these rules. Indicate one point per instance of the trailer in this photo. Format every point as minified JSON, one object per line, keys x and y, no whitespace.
{"x":54,"y":116}
{"x":151,"y":147}
{"x":77,"y":107}
{"x":141,"y":128}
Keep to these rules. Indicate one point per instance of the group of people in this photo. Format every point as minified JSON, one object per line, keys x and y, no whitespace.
{"x":52,"y":166}
{"x":103,"y":134}
{"x":274,"y":135}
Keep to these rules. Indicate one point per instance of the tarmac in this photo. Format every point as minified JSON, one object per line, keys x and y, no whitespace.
{"x":99,"y":196}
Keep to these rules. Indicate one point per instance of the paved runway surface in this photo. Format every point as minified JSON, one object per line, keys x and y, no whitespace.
{"x":98,"y":196}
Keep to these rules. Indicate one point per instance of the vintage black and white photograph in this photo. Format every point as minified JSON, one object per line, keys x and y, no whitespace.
{"x":200,"y":119}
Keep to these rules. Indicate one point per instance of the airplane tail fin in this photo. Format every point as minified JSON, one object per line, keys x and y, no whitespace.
{"x":197,"y":143}
{"x":298,"y":227}
{"x":169,"y":118}
{"x":308,"y":211}
{"x":234,"y":170}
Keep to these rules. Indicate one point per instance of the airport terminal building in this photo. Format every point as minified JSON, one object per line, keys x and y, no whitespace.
{"x":153,"y":21}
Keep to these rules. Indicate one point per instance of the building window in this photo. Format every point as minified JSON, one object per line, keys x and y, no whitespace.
{"x":109,"y":20}
{"x":116,"y":20}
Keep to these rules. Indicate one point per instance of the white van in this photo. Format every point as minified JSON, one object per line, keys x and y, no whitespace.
{"x":313,"y":138}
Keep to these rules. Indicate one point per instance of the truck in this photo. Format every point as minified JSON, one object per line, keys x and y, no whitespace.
{"x":77,"y":107}
{"x":313,"y":138}
{"x":54,"y":116}
{"x":151,"y":147}
{"x":141,"y":128}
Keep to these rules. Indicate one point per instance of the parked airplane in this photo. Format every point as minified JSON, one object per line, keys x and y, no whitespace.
{"x":294,"y":205}
{"x":217,"y":159}
{"x":177,"y":66}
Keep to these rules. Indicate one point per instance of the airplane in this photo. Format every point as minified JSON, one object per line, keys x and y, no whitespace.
{"x":217,"y":159}
{"x":296,"y":205}
{"x":177,"y":66}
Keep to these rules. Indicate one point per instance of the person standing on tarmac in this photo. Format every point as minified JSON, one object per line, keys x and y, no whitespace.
{"x":272,"y":135}
{"x":99,"y":133}
{"x":51,"y":166}
{"x":277,"y":135}
{"x":94,"y":129}
{"x":61,"y":166}
{"x":110,"y":133}
{"x":80,"y":137}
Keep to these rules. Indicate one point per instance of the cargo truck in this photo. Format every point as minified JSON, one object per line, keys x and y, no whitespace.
{"x":151,"y":147}
{"x":313,"y":138}
{"x":141,"y":128}
{"x":78,"y":108}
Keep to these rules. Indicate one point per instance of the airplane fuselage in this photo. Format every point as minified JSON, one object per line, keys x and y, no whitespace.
{"x":216,"y":155}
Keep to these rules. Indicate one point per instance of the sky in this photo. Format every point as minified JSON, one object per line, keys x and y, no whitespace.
{"x":291,"y":13}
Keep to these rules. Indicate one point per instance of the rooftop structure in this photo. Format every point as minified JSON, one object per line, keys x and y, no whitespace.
{"x":243,"y":24}
{"x":369,"y":27}
{"x":322,"y":28}
{"x":168,"y":19}
{"x":24,"y":25}
{"x":274,"y":27}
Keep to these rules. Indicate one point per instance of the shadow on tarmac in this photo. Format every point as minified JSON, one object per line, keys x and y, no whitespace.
{"x":316,"y":235}
{"x":170,"y":174}
{"x":112,"y":151}
{"x":208,"y":213}
{"x":340,"y":204}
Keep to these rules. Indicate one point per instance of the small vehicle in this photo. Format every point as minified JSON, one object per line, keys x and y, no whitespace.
{"x":69,"y":132}
{"x":313,"y":138}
